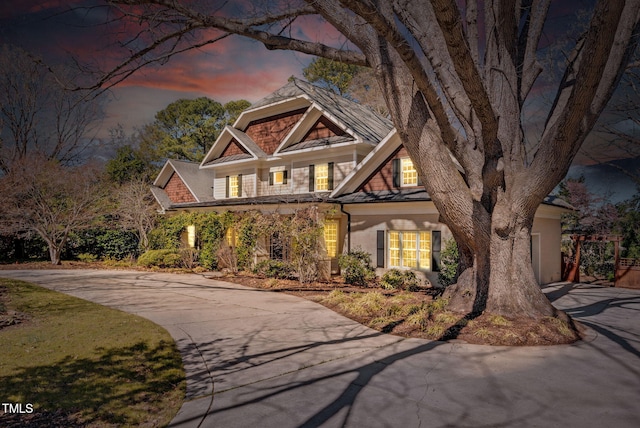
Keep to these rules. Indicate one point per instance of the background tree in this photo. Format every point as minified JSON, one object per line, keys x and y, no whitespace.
{"x":594,"y":215}
{"x":333,"y":75}
{"x":628,"y":226}
{"x":456,"y":85}
{"x":38,"y":115}
{"x":619,"y":127}
{"x":136,"y":209}
{"x":364,"y":89}
{"x":131,"y":161}
{"x":350,"y":81}
{"x":186,"y":129}
{"x":38,"y":195}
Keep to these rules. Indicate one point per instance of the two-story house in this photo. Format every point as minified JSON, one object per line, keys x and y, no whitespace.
{"x":304,"y":146}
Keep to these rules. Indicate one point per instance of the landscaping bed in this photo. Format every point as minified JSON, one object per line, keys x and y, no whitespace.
{"x":419,"y":314}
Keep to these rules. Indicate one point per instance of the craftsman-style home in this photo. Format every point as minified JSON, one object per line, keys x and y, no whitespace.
{"x":303,"y":146}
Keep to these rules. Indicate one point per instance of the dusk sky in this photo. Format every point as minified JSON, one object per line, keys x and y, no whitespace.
{"x":232,"y":69}
{"x":235,"y":68}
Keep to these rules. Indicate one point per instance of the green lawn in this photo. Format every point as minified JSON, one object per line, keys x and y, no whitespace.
{"x":85,"y":364}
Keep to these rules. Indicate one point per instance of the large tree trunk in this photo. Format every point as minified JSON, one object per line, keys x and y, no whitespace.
{"x":498,"y":277}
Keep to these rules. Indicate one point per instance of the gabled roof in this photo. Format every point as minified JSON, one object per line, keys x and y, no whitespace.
{"x":365,"y":123}
{"x":369,"y":164}
{"x":198,"y":181}
{"x":226,"y":137}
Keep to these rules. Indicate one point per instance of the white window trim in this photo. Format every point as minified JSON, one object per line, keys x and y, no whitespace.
{"x":402,"y":182}
{"x":317,"y":176}
{"x":417,"y":249}
{"x":237,"y":195}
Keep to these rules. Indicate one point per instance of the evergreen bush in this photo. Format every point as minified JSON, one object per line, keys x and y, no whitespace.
{"x":355,"y":267}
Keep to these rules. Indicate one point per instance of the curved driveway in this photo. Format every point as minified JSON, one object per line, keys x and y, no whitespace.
{"x":262,"y":359}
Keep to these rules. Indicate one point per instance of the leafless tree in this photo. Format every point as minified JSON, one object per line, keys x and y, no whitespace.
{"x":40,"y":196}
{"x":619,"y":126}
{"x":136,"y":209}
{"x":455,"y":77}
{"x":38,"y":115}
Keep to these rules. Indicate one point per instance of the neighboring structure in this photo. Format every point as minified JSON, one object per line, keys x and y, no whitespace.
{"x":304,"y":146}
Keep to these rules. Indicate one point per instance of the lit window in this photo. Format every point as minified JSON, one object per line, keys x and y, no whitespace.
{"x":425,"y":250}
{"x":409,"y":173}
{"x":322,"y":177}
{"x":394,"y":248}
{"x":278,"y":177}
{"x":231,"y":237}
{"x":410,"y":250}
{"x":191,"y":236}
{"x":331,"y":238}
{"x":234,"y":188}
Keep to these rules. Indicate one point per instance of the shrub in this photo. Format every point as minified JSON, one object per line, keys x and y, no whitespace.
{"x":274,"y":269}
{"x":449,"y":264}
{"x":356,"y":268}
{"x":103,"y":243}
{"x":396,"y":279}
{"x":227,"y":257}
{"x":87,"y":258}
{"x":189,"y":257}
{"x":160,"y":258}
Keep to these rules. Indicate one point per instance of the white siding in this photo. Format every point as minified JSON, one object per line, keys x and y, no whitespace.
{"x":248,"y":183}
{"x":342,"y":166}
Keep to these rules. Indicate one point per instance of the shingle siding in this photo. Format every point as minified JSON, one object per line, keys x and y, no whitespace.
{"x":382,"y":179}
{"x":177,"y":191}
{"x":233,"y":148}
{"x":269,"y":132}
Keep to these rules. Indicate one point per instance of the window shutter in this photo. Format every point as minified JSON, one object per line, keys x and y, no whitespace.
{"x":271,"y":179}
{"x":239,"y":185}
{"x":330,"y":181}
{"x":312,"y":178}
{"x":226,"y":190}
{"x":395,"y":166}
{"x":284,"y":177}
{"x":380,"y":248}
{"x":436,"y":244}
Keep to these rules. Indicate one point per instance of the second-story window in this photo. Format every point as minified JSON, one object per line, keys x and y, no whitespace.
{"x":405,"y":173}
{"x":409,"y":173}
{"x":234,"y":186}
{"x":321,"y":177}
{"x":277,"y":177}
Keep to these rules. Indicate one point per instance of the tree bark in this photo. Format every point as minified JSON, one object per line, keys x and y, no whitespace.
{"x":497,"y":275}
{"x":55,"y":254}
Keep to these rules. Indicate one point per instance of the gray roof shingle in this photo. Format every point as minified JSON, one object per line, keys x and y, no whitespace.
{"x":199,"y":181}
{"x":363,"y":121}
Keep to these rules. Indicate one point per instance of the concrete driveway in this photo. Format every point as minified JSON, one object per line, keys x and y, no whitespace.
{"x":262,"y":359}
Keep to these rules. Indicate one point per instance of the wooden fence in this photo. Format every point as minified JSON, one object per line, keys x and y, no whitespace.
{"x":628,"y":273}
